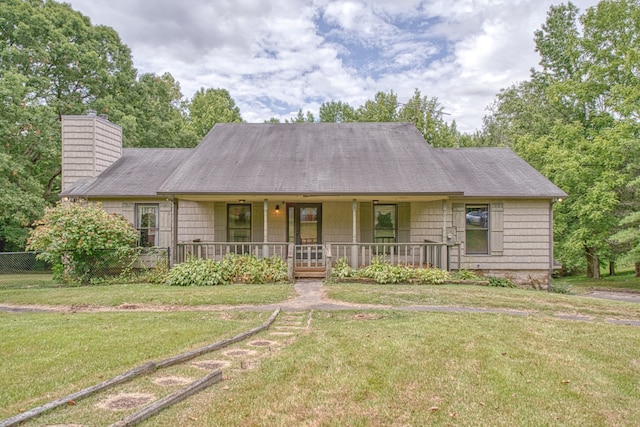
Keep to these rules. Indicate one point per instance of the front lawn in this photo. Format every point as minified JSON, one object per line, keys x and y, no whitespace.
{"x":373,"y":367}
{"x":40,"y":290}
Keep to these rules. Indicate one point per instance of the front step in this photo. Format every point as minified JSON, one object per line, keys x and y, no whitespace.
{"x":309,"y":273}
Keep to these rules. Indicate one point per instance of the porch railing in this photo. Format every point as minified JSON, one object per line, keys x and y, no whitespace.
{"x":412,"y":254}
{"x":314,"y":257}
{"x":218,"y":250}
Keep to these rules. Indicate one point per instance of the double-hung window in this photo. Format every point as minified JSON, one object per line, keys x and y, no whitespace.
{"x":239,"y":223}
{"x":147,"y":216}
{"x":477,"y":229}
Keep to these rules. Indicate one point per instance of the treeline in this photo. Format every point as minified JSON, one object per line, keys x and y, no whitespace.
{"x":576,"y":119}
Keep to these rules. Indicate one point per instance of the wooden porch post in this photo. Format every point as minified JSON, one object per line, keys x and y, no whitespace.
{"x":174,"y":244}
{"x":354,"y":235}
{"x":265,"y":247}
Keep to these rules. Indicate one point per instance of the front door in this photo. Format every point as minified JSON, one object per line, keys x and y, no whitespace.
{"x":305,"y":223}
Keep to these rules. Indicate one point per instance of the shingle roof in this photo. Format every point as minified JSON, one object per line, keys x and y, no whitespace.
{"x":311,"y":159}
{"x":495,"y":172}
{"x":318,"y":159}
{"x":139,"y":172}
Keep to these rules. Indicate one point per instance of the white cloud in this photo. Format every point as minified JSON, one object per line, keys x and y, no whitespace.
{"x":275,"y":57}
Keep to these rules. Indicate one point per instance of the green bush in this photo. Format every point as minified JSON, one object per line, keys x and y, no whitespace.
{"x":198,"y":272}
{"x":381,"y":271}
{"x":501,"y":282}
{"x":81,"y":240}
{"x":465,"y":275}
{"x":249,"y":269}
{"x":342,"y":269}
{"x":561,"y":288}
{"x":232,"y":269}
{"x":431,"y":276}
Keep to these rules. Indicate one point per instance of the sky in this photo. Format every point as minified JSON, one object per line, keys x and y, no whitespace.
{"x":278,"y":56}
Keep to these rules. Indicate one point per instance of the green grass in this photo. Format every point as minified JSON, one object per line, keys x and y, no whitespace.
{"x":38,"y":290}
{"x":401,"y":368}
{"x":624,"y":280}
{"x":356,"y":367}
{"x":47,"y":356}
{"x":532,"y":301}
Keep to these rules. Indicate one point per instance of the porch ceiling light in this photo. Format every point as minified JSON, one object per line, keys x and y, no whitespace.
{"x":241,"y":201}
{"x":375,"y":202}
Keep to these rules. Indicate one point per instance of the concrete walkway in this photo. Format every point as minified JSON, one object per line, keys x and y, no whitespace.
{"x":310,"y":295}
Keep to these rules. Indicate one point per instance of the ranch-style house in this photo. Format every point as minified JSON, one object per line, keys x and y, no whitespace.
{"x":316,"y":193}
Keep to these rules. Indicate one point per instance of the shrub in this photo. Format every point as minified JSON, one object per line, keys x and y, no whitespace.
{"x":501,"y":282}
{"x":431,"y":276}
{"x":342,"y":269}
{"x":80,"y":239}
{"x":198,"y":272}
{"x":561,"y":288}
{"x":249,"y":269}
{"x":465,"y":275}
{"x":381,"y":271}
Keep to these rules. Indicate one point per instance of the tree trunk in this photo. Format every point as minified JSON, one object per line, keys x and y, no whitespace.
{"x":612,"y":268}
{"x":593,"y":264}
{"x":638,"y":269}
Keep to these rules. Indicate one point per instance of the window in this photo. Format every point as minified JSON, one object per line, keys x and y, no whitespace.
{"x":385,"y":224}
{"x":147,"y":224}
{"x":239,"y":223}
{"x":477,"y":229}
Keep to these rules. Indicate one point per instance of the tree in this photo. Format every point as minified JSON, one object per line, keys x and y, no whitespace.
{"x":569,"y":122}
{"x":383,"y":108}
{"x":76,"y":238}
{"x":155,"y":114}
{"x":54,"y":62}
{"x":211,"y":106}
{"x":337,"y":112}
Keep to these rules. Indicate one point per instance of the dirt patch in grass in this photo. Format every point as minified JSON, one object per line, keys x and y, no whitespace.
{"x":368,"y":316}
{"x":171,"y":381}
{"x":211,"y":364}
{"x":262,"y":343}
{"x":125,"y":401}
{"x":239,"y":352}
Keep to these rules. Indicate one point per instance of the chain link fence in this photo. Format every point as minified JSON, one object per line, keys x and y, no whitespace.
{"x":22,"y":263}
{"x":100,"y":266}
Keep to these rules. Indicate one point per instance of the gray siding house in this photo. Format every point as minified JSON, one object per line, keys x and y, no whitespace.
{"x":316,"y":193}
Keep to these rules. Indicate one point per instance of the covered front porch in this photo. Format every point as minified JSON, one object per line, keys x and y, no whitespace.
{"x":313,"y":233}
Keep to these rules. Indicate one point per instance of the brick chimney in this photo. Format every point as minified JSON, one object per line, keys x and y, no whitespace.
{"x":90,"y":144}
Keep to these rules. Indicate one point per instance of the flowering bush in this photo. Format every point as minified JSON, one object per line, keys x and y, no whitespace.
{"x":79,"y":238}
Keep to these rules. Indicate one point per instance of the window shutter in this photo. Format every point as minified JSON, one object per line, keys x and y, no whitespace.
{"x":366,"y":222}
{"x":496,"y":224}
{"x":404,"y":222}
{"x":458,"y":220}
{"x":220,"y":222}
{"x":257,"y":224}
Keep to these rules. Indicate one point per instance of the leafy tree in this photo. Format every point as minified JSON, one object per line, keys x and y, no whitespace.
{"x":337,"y":112}
{"x":211,"y":106}
{"x":575,"y":120}
{"x":301,"y":118}
{"x":155,"y":114}
{"x":76,"y":238}
{"x":427,"y":115}
{"x":382,"y":108}
{"x":53,"y":62}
